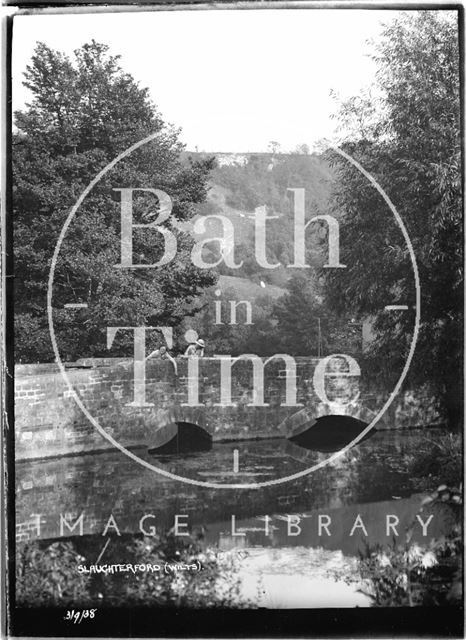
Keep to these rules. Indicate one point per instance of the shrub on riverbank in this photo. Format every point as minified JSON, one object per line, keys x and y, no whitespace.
{"x":47,"y":574}
{"x":414,"y":575}
{"x":439,"y":462}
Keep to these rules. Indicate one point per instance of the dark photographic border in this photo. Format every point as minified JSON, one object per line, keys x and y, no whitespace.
{"x":432,"y":622}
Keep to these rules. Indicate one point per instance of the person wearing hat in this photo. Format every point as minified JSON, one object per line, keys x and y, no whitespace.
{"x":195,"y":349}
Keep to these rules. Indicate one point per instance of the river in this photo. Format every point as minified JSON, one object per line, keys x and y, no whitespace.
{"x":291,"y":540}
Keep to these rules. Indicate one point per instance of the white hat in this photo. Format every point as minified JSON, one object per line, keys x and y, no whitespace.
{"x":200,"y":342}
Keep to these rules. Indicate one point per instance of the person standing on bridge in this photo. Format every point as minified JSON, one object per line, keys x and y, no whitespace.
{"x":163,"y":354}
{"x":195,"y":349}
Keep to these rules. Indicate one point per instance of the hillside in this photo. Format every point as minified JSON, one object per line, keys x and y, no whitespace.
{"x":242,"y":182}
{"x":246,"y":289}
{"x":240,"y":185}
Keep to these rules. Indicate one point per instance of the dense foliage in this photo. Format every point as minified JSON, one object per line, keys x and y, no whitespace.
{"x":410,"y":574}
{"x":294,"y":320}
{"x":408,"y":138}
{"x":264,"y":179}
{"x":47,"y":575}
{"x":83,"y":113}
{"x":287,"y":303}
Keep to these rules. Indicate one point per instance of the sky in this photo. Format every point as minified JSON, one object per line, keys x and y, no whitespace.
{"x":233,"y":80}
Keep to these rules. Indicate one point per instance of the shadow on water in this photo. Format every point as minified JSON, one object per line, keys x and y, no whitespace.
{"x":331,"y":433}
{"x":327,"y":434}
{"x":181,"y":437}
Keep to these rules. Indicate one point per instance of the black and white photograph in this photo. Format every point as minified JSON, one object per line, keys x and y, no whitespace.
{"x":233,"y":320}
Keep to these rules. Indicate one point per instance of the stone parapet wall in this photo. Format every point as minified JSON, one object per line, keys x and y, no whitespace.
{"x":49,"y":422}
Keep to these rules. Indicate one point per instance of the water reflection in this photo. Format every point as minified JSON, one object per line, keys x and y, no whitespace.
{"x":331,"y":433}
{"x":100,"y":484}
{"x":278,"y":526}
{"x":300,"y":577}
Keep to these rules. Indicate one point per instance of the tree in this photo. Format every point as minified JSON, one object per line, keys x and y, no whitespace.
{"x":297,"y":314}
{"x":303,"y":149}
{"x":83,"y":113}
{"x":409,"y":140}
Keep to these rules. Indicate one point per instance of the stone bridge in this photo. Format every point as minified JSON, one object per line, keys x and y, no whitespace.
{"x":49,"y":422}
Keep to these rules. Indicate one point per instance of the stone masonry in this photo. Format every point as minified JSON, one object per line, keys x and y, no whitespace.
{"x":49,"y":422}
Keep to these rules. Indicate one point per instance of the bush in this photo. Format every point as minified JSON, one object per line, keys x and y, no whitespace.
{"x":413,"y":575}
{"x":47,"y":574}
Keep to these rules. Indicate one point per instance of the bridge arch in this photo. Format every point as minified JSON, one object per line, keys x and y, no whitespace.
{"x":180,"y":437}
{"x":48,"y":421}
